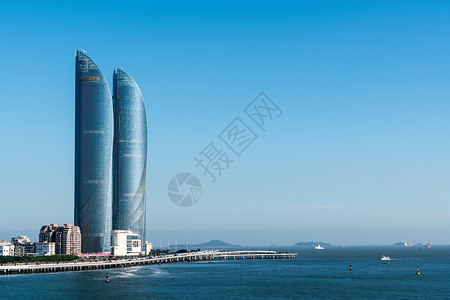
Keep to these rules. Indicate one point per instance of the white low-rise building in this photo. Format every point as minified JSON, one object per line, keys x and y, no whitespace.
{"x":6,"y":248}
{"x":45,"y":248}
{"x":125,"y":243}
{"x":148,"y":248}
{"x":20,"y":240}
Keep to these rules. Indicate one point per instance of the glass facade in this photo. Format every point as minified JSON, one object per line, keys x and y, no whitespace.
{"x":93,"y":155}
{"x":130,"y":155}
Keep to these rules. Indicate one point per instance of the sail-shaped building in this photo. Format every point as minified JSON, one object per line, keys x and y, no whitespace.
{"x":94,"y":127}
{"x":130,"y":155}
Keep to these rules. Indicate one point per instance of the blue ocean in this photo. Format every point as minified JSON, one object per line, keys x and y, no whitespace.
{"x":314,"y":274}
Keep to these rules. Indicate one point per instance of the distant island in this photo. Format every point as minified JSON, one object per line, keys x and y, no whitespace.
{"x":310,"y":244}
{"x":406,"y":244}
{"x":399,"y":244}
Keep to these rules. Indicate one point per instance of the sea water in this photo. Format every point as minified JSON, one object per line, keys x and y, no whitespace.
{"x":314,"y":274}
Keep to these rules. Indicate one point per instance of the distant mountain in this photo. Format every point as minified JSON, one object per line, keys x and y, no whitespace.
{"x":208,"y":245}
{"x":399,"y":244}
{"x":310,"y":244}
{"x":215,"y":243}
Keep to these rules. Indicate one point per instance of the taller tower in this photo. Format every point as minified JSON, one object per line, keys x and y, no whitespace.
{"x":93,"y":155}
{"x":130,"y":155}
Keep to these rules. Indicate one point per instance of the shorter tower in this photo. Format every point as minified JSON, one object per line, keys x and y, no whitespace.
{"x":129,"y":155}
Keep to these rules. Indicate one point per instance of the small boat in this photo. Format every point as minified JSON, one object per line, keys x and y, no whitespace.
{"x":318,"y":247}
{"x":385,"y":258}
{"x":407,"y":245}
{"x":428,"y":245}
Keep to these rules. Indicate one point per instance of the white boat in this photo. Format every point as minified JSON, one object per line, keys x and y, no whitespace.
{"x":318,"y":247}
{"x":385,"y":258}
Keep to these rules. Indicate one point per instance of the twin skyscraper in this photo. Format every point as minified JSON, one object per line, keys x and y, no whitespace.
{"x":110,"y":156}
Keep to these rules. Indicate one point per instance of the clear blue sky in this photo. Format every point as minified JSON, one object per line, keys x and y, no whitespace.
{"x":361,"y":154}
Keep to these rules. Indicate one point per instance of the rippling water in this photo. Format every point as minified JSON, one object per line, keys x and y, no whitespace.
{"x":313,"y":274}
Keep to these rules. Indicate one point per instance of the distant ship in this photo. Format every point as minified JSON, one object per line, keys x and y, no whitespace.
{"x":385,"y":258}
{"x":428,"y":245}
{"x":407,"y":245}
{"x":318,"y":247}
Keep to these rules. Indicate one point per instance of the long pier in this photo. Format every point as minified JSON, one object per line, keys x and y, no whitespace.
{"x":206,"y":255}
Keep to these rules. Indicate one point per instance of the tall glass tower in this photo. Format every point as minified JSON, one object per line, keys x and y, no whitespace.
{"x":93,"y":155}
{"x":130,"y":155}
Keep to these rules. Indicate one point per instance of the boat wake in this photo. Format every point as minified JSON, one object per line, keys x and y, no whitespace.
{"x":127,"y":274}
{"x":158,"y":272}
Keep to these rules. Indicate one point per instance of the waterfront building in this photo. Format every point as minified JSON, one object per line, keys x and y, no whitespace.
{"x":19,"y":250}
{"x":48,"y":233}
{"x":45,"y":248}
{"x":129,"y":155}
{"x":22,"y":246}
{"x":30,"y":248}
{"x":20,"y":240}
{"x":68,"y":240}
{"x":6,"y":248}
{"x":148,"y":248}
{"x":93,"y":155}
{"x":125,"y":243}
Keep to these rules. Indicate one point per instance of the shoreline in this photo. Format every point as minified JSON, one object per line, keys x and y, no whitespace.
{"x":206,"y":255}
